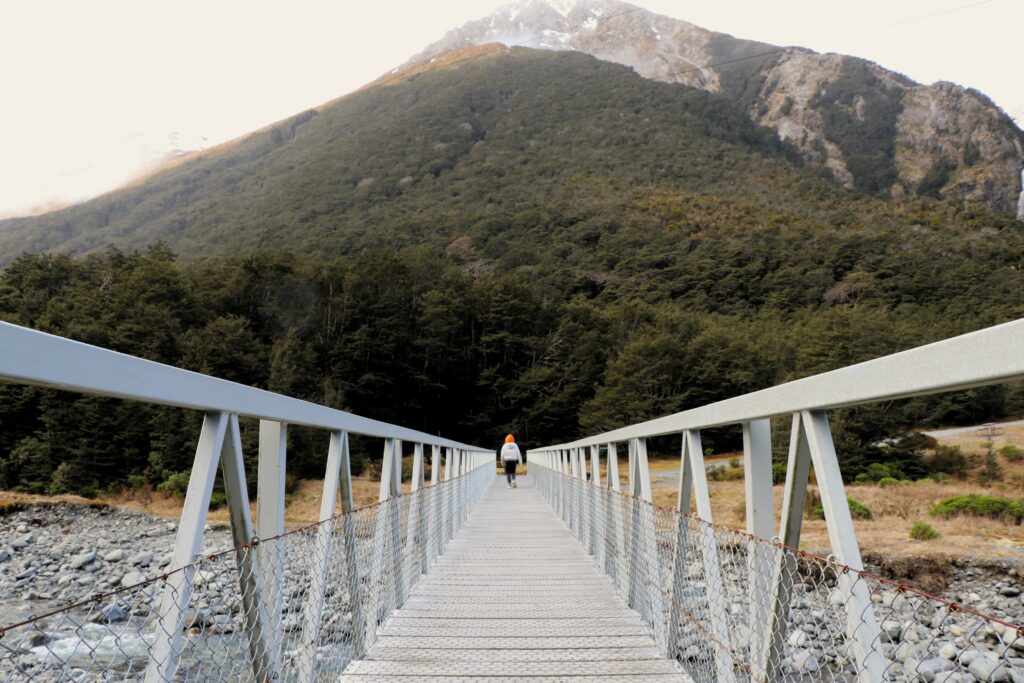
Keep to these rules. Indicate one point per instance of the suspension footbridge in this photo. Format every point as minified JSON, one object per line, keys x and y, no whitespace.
{"x":575,"y":575}
{"x":514,"y":596}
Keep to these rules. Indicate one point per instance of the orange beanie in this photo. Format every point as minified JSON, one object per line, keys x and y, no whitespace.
{"x":510,"y":439}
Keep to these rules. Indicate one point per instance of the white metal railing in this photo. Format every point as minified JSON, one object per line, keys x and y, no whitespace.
{"x":381,"y":550}
{"x":771,"y":568}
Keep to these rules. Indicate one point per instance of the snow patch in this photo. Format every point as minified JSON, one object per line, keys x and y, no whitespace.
{"x":1020,"y":200}
{"x":511,"y":39}
{"x":563,"y":7}
{"x":590,"y":24}
{"x":553,"y":40}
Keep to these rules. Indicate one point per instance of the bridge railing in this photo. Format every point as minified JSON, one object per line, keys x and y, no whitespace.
{"x":748,"y":605}
{"x":276,"y":606}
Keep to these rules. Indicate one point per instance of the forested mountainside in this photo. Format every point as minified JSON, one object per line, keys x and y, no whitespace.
{"x":866,"y":126}
{"x":510,"y":240}
{"x":476,"y":150}
{"x":546,"y":350}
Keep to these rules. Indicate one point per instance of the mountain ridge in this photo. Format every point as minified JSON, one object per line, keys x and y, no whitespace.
{"x":438,"y":152}
{"x":870,"y":127}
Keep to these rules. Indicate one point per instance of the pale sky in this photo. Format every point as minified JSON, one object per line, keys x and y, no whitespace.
{"x":91,"y":91}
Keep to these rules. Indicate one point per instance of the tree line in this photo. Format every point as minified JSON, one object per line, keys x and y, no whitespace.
{"x":418,"y":338}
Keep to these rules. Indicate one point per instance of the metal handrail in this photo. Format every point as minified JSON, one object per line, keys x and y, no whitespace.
{"x":989,"y":356}
{"x":981,"y":358}
{"x":37,"y":358}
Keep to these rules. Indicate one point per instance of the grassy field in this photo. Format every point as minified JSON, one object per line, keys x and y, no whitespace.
{"x":895,"y":509}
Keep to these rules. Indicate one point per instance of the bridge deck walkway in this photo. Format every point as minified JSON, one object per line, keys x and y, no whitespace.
{"x":514,"y":598}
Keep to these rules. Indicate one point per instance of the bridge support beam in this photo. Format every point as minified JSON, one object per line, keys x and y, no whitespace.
{"x":616,"y":565}
{"x":645,"y":576}
{"x":417,"y":551}
{"x":163,"y":661}
{"x":595,"y":503}
{"x":692,"y":471}
{"x":760,"y":517}
{"x":337,"y":477}
{"x":387,"y":541}
{"x":219,"y":443}
{"x":794,"y":501}
{"x":862,"y":629}
{"x":811,"y":441}
{"x":273,"y":451}
{"x":250,"y":583}
{"x":435,"y":511}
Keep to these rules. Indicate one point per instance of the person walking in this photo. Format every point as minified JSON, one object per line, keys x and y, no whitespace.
{"x":510,"y":457}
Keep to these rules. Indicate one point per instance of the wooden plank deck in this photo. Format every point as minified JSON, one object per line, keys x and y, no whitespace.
{"x":514,"y":598}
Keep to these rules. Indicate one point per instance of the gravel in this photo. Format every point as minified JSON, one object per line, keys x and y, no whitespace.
{"x":52,"y":556}
{"x":56,"y":555}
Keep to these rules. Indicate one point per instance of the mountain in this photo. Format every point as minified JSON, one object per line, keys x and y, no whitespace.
{"x":464,"y":152}
{"x":503,"y":239}
{"x":871,"y":128}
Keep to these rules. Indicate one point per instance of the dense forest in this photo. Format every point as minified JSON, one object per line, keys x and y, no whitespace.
{"x":532,"y":242}
{"x":418,"y":338}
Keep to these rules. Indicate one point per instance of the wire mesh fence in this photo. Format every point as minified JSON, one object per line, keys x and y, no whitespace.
{"x":729,"y":606}
{"x":296,"y":607}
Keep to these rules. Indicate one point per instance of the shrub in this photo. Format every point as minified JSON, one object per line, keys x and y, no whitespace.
{"x":949,"y":460}
{"x":858,"y":510}
{"x":734,"y":463}
{"x":724,"y":474}
{"x":886,"y":482}
{"x":974,"y":505}
{"x":69,"y":478}
{"x":732,"y":475}
{"x":175,"y":485}
{"x":877,"y":471}
{"x":778,"y":472}
{"x":1011,"y":452}
{"x":136,"y":482}
{"x":218,"y":499}
{"x":922,"y":531}
{"x":993,"y":470}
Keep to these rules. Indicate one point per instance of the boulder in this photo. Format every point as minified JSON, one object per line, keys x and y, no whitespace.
{"x":82,"y":559}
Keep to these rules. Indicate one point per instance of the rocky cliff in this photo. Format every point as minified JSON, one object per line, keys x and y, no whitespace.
{"x":871,"y":128}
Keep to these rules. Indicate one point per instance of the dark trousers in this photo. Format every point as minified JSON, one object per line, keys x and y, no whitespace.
{"x":510,"y":470}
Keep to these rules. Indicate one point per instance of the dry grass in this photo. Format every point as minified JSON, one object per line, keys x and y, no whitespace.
{"x":972,"y":442}
{"x":895,"y":509}
{"x":302,"y":505}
